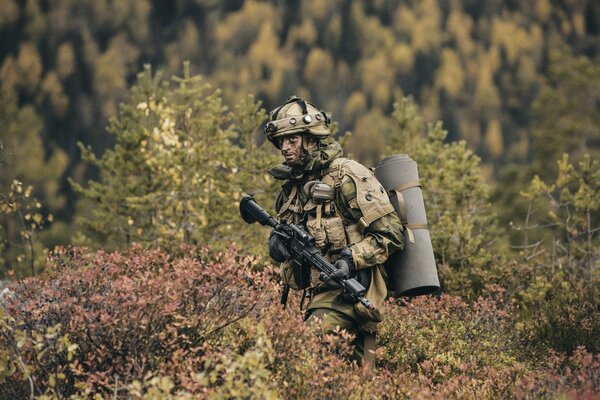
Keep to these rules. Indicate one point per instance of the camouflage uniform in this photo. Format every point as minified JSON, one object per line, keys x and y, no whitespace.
{"x":360,"y":217}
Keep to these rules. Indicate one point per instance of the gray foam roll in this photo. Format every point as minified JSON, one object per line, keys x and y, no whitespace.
{"x":413,"y":271}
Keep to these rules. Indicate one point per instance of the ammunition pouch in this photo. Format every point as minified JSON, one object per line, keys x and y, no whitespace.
{"x":295,"y":275}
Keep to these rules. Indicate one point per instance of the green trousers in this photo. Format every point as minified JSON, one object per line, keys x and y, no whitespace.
{"x":325,"y":320}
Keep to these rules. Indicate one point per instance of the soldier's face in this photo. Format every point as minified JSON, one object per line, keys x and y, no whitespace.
{"x":291,"y":148}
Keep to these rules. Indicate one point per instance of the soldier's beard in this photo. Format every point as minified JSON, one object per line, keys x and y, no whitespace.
{"x":304,"y":157}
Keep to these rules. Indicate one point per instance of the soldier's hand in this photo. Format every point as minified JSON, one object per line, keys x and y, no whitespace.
{"x":277,"y":249}
{"x":344,"y":267}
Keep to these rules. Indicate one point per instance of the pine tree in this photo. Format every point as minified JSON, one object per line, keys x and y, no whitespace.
{"x":110,"y":215}
{"x":566,"y":117}
{"x":180,"y":165}
{"x":460,"y":217}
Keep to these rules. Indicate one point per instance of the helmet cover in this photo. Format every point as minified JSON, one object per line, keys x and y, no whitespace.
{"x":297,"y":115}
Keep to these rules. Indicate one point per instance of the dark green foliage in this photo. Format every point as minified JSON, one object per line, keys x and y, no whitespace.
{"x":456,"y":199}
{"x":180,"y":165}
{"x":29,"y":187}
{"x":565,"y":114}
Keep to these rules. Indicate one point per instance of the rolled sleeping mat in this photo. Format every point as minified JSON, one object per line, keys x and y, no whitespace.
{"x":413,"y":271}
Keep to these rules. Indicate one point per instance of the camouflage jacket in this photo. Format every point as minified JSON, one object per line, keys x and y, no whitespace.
{"x":359,"y":216}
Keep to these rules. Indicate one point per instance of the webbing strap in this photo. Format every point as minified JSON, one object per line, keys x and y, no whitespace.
{"x":418,"y":226}
{"x":411,"y":227}
{"x":319,"y":210}
{"x":302,"y":105}
{"x":276,"y":112}
{"x":402,"y":207}
{"x":285,"y":206}
{"x":407,"y":185}
{"x":411,"y":236}
{"x":363,"y":223}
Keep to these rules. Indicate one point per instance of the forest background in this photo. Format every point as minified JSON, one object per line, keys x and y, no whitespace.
{"x":94,"y":133}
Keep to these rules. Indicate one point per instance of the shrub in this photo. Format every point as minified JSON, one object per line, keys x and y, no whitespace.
{"x":560,"y":313}
{"x":129,"y":313}
{"x":143,"y":324}
{"x":559,"y":304}
{"x":460,"y":217}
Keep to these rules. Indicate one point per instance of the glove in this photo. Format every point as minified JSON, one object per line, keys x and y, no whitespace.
{"x":277,"y":249}
{"x":344,"y":266}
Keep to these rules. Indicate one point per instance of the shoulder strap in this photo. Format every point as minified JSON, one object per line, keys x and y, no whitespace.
{"x":336,"y":170}
{"x":286,"y":205}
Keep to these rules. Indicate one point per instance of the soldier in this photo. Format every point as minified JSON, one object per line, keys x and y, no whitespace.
{"x":341,"y":204}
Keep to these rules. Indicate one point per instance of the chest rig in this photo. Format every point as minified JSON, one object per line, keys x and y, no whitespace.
{"x":315,"y":205}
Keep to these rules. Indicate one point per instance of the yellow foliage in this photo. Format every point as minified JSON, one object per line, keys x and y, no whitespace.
{"x":333,"y":31}
{"x":403,"y":58}
{"x":240,"y":29}
{"x":404,"y":20}
{"x":9,"y":12}
{"x":368,"y":139}
{"x":471,"y":131}
{"x":426,"y":34}
{"x":430,"y":108}
{"x":184,"y":47}
{"x":112,"y":69}
{"x":460,"y":25}
{"x":515,"y":40}
{"x":264,"y":55}
{"x":492,"y":57}
{"x":35,"y":25}
{"x":543,"y":9}
{"x":526,"y":73}
{"x":381,"y":94}
{"x":65,"y":62}
{"x":487,"y":97}
{"x":53,"y":89}
{"x":450,"y":74}
{"x":29,"y":65}
{"x":579,"y":24}
{"x":375,"y":70}
{"x":319,"y":67}
{"x":493,"y":138}
{"x":523,"y":144}
{"x":138,"y":20}
{"x":9,"y":76}
{"x":305,"y":34}
{"x":356,"y":105}
{"x":319,"y":9}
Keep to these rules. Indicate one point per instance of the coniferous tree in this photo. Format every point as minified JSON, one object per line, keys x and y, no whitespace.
{"x":179,"y":167}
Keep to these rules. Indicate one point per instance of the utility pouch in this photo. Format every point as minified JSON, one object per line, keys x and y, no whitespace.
{"x":336,"y":234}
{"x":322,"y":192}
{"x":319,"y":192}
{"x":294,"y":275}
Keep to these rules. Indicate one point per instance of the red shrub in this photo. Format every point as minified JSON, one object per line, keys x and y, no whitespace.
{"x":136,"y":312}
{"x":202,"y":325}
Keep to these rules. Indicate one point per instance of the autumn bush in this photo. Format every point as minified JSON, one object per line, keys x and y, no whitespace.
{"x":195,"y":324}
{"x":129,"y":314}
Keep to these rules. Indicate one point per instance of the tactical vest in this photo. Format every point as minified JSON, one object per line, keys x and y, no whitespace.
{"x":331,"y":230}
{"x":323,"y":219}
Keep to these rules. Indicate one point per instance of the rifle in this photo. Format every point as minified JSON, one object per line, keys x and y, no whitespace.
{"x":302,"y":248}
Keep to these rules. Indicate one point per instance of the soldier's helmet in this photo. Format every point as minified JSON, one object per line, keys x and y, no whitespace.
{"x":297,"y":115}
